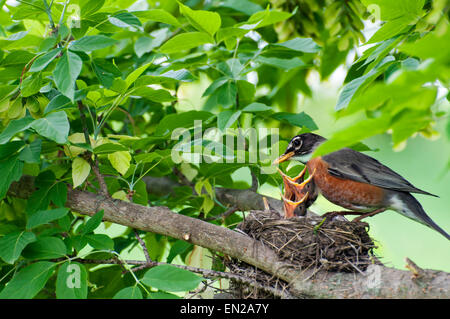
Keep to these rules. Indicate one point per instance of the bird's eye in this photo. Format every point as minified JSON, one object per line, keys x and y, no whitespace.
{"x":296,"y":143}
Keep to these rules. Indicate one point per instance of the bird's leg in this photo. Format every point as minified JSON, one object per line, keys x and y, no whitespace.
{"x":343,"y":213}
{"x":357,"y":219}
{"x":369,"y":214}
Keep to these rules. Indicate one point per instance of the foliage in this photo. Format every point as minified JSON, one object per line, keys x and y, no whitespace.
{"x":98,"y":84}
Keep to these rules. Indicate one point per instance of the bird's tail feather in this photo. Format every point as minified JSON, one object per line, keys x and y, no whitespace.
{"x":417,"y":210}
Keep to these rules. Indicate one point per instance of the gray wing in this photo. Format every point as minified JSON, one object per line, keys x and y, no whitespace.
{"x":350,"y":164}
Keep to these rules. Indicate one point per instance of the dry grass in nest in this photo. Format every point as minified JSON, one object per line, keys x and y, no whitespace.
{"x":306,"y":243}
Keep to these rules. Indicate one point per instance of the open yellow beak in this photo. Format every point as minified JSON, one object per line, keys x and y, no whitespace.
{"x":283,"y":158}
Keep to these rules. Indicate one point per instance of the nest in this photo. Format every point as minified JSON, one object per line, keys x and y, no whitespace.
{"x":306,"y":243}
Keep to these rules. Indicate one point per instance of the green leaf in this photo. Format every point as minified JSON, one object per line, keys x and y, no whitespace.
{"x":306,"y":45}
{"x":120,"y":161}
{"x":10,"y":148}
{"x":226,"y":94}
{"x":141,"y":195}
{"x":281,"y":63}
{"x":185,"y":41}
{"x":19,"y":57}
{"x":105,"y":71}
{"x":265,"y":18}
{"x":15,"y":127}
{"x":408,"y":122}
{"x":394,"y":9}
{"x":59,"y":102}
{"x":434,"y":44}
{"x":41,"y":63}
{"x":31,"y":85}
{"x":71,"y":281}
{"x":42,"y":217}
{"x":100,"y":241}
{"x":227,"y":118}
{"x":92,"y":43}
{"x":184,"y":120}
{"x":78,"y":242}
{"x":256,"y":107}
{"x":215,"y":85}
{"x":92,"y":223}
{"x":246,"y":92}
{"x":109,"y":148}
{"x":170,"y":278}
{"x":124,"y":20}
{"x":178,"y":248}
{"x":297,"y":119}
{"x":204,"y":21}
{"x":32,"y":152}
{"x":353,"y":88}
{"x":66,"y":72}
{"x":143,"y":45}
{"x":353,"y":134}
{"x":80,"y":171}
{"x":158,"y":15}
{"x":244,"y":6}
{"x":11,"y":245}
{"x":11,"y":170}
{"x":129,"y":293}
{"x":89,"y":7}
{"x":55,"y":126}
{"x":39,"y":200}
{"x":132,"y":77}
{"x":153,"y":95}
{"x":45,"y":247}
{"x":168,"y":77}
{"x":28,"y":281}
{"x":392,"y":28}
{"x":147,"y":157}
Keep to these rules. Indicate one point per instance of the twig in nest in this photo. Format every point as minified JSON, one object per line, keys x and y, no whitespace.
{"x":266,"y":204}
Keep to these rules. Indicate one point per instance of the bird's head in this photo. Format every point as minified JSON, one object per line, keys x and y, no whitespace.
{"x":301,"y":147}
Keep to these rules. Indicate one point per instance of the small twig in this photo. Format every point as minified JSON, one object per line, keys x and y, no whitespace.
{"x":416,"y":270}
{"x":94,"y":163}
{"x":99,"y":176}
{"x":81,"y":108}
{"x":144,"y":247}
{"x":266,"y":204}
{"x":49,"y":14}
{"x":130,"y":118}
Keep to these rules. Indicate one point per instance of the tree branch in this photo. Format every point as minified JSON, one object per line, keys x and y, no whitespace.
{"x":389,"y":283}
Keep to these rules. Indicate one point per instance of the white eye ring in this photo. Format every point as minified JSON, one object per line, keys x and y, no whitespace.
{"x":297,"y":143}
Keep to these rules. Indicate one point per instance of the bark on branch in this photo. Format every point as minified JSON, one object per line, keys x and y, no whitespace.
{"x":377,"y":281}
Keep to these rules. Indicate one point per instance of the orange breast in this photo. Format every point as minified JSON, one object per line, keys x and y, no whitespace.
{"x":343,"y":192}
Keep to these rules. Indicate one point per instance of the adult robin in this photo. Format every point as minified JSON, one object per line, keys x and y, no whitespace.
{"x":357,"y":182}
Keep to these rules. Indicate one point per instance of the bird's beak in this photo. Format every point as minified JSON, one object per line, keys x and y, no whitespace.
{"x":283,"y":158}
